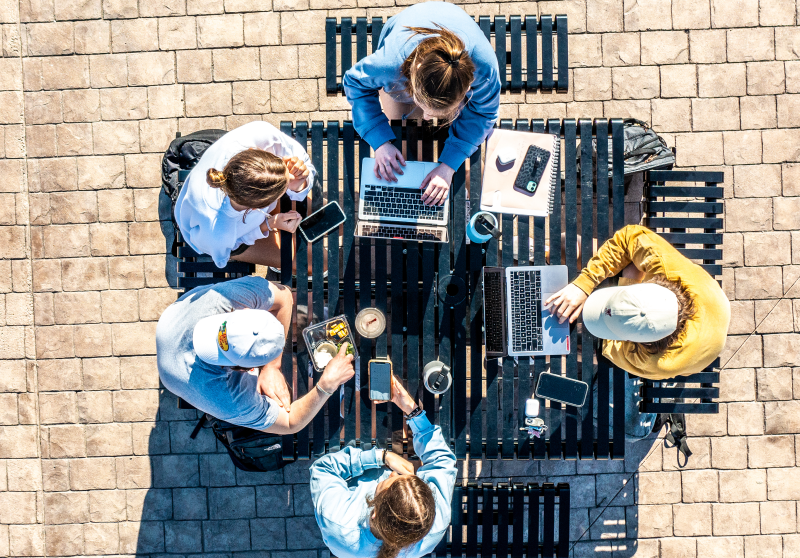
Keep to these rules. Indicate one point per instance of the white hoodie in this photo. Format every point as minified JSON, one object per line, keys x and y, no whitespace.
{"x":204,"y":214}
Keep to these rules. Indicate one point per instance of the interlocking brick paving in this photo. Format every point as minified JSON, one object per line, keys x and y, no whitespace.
{"x":96,"y":460}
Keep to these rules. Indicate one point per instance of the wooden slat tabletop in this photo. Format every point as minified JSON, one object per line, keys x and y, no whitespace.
{"x":480,"y":415}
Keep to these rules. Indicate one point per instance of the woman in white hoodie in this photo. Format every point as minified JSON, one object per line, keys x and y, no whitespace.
{"x":227,"y":207}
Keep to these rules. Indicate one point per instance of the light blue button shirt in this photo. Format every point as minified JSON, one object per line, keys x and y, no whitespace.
{"x":341,"y":482}
{"x":381,"y":70}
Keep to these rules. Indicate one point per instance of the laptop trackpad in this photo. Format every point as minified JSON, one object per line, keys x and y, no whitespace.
{"x":412,"y":177}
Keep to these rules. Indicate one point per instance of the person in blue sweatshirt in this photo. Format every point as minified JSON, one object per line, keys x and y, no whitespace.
{"x":432,"y":61}
{"x":371,"y":503}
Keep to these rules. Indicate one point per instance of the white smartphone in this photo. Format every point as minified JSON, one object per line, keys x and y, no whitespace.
{"x":321,"y":222}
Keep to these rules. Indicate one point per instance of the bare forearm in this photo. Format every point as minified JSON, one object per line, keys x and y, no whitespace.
{"x":303,"y":410}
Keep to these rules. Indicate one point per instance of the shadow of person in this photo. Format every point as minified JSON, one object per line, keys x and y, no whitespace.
{"x":198,"y":502}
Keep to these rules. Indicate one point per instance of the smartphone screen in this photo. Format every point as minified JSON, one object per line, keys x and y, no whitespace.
{"x":380,"y":381}
{"x":322,"y":221}
{"x":559,"y":388}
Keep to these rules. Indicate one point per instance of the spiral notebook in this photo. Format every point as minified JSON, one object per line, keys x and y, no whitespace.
{"x":498,"y":193}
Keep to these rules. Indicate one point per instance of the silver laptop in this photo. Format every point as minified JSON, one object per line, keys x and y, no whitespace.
{"x":395,"y":209}
{"x":515,"y":319}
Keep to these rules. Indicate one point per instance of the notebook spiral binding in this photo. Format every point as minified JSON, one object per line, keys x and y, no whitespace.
{"x":555,"y":174}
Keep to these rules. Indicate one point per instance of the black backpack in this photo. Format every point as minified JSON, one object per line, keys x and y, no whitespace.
{"x":183,"y":154}
{"x":250,"y":450}
{"x":644,"y":149}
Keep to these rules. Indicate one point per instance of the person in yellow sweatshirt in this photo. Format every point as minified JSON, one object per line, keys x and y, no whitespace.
{"x":668,"y":316}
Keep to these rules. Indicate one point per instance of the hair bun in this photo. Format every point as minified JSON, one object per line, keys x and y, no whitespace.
{"x":215,"y":178}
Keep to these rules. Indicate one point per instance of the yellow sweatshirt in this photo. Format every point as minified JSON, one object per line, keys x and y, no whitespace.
{"x":705,"y":334}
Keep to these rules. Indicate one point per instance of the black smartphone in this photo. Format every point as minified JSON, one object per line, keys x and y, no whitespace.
{"x":321,"y":222}
{"x":561,"y":389}
{"x":380,"y":380}
{"x":532,"y":169}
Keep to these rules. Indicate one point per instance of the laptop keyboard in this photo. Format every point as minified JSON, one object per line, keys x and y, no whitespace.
{"x":399,"y":203}
{"x":493,"y":310}
{"x":526,"y":297}
{"x":406,"y":233}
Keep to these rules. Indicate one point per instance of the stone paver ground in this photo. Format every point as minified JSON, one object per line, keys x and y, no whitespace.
{"x":96,"y":460}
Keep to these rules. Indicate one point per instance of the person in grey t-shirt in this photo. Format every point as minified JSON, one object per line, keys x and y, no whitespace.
{"x":219,"y":348}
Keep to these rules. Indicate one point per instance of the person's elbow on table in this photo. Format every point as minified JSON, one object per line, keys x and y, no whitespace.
{"x":338,"y":371}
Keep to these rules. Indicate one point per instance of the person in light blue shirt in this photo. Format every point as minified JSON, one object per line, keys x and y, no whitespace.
{"x":364,"y":509}
{"x":432,"y":61}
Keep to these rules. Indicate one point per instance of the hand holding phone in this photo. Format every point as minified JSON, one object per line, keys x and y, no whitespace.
{"x":287,"y":221}
{"x":380,"y":380}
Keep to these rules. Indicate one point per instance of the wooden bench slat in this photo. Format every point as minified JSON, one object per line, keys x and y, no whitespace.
{"x":532,"y":58}
{"x":458,"y":193}
{"x":699,"y":378}
{"x":346,"y":46}
{"x":715,"y":177}
{"x":680,"y":392}
{"x":332,"y":182}
{"x":569,"y":431}
{"x":240,"y":268}
{"x":287,"y":364}
{"x":361,"y":38}
{"x":365,"y":345}
{"x":685,"y":222}
{"x":476,"y":257}
{"x":331,"y":86}
{"x":349,"y":255}
{"x":681,"y":408}
{"x":685,"y":207}
{"x":446,"y":318}
{"x":587,"y":233}
{"x":546,"y":23}
{"x":500,"y":49}
{"x":563,"y":53}
{"x":472,"y":520}
{"x":487,"y":527}
{"x":687,"y":191}
{"x":675,"y":238}
{"x":516,"y":52}
{"x":377,"y":27}
{"x":379,"y":411}
{"x":316,"y":308}
{"x":491,"y":402}
{"x":539,"y":364}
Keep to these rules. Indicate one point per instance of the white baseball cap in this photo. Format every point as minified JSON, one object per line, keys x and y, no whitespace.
{"x":642,"y":313}
{"x":246,"y":338}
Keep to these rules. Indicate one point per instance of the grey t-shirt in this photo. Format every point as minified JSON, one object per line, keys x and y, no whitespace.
{"x":220,"y":391}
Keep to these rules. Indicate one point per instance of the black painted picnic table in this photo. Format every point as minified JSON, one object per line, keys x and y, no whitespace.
{"x":480,"y":415}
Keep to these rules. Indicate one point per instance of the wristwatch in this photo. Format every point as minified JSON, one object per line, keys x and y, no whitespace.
{"x":415,"y":412}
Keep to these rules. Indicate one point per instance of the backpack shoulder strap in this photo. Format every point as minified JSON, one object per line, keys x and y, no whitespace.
{"x":199,"y":426}
{"x":676,"y":435}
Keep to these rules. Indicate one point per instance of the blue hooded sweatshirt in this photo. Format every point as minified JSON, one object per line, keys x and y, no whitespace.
{"x":382,"y":70}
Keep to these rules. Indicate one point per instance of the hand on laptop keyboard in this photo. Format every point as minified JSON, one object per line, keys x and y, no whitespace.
{"x":436,"y":185}
{"x":567,"y":303}
{"x":387,"y":162}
